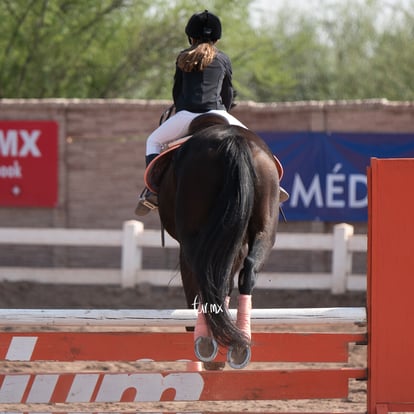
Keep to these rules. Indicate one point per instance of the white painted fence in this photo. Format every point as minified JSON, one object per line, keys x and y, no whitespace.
{"x":133,"y":239}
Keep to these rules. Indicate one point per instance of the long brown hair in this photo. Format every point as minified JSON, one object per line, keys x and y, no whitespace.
{"x":196,"y":57}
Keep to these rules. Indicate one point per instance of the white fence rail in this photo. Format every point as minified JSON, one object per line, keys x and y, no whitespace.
{"x":132,"y":239}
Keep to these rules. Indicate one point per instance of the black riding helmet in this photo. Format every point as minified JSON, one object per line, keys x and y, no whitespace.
{"x":205,"y":26}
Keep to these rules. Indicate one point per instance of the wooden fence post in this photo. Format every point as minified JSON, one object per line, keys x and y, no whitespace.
{"x":341,"y":258}
{"x":131,"y":253}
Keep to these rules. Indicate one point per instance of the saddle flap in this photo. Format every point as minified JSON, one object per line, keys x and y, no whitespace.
{"x":155,"y":170}
{"x":279,"y":167}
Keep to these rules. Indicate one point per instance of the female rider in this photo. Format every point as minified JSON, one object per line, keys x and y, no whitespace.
{"x":202,"y":83}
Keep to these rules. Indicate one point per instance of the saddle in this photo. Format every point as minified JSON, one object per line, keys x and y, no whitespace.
{"x":155,"y":170}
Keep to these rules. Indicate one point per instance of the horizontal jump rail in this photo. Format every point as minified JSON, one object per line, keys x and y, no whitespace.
{"x":27,"y":382}
{"x":175,"y":317}
{"x":181,"y":386}
{"x":149,"y":346}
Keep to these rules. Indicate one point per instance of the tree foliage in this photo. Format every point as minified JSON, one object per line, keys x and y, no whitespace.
{"x":127,"y":48}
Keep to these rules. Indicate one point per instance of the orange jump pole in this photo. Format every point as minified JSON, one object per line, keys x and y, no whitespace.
{"x":391,"y":286}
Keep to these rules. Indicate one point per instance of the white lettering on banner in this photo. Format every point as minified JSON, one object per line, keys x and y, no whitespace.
{"x":335,"y":190}
{"x":19,"y":143}
{"x":299,"y":191}
{"x":148,"y":387}
{"x":332,"y":189}
{"x":354,"y":180}
{"x":11,"y":171}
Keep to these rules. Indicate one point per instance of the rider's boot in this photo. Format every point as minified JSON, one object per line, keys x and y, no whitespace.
{"x":147,"y":200}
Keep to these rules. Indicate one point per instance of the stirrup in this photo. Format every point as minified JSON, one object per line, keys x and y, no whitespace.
{"x":283,"y":195}
{"x":148,"y":199}
{"x":146,"y":203}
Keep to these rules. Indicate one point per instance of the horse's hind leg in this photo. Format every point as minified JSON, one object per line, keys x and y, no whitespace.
{"x":261,"y":237}
{"x":239,"y":357}
{"x":205,"y":346}
{"x":260,"y":247}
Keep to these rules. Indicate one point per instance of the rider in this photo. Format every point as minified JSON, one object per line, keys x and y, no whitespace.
{"x":202,"y":83}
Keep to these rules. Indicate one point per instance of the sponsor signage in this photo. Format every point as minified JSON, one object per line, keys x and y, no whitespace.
{"x":325,"y":173}
{"x":28,"y":163}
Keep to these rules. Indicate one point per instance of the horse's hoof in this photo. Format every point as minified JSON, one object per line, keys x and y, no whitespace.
{"x":238,"y":357}
{"x":205,"y":348}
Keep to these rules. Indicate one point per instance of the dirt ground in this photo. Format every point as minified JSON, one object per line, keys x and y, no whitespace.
{"x":25,"y":295}
{"x":32,"y":295}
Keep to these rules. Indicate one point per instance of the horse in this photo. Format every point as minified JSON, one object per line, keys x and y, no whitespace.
{"x":218,"y":197}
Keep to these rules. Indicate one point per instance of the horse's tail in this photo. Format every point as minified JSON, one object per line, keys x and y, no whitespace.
{"x":219,"y":244}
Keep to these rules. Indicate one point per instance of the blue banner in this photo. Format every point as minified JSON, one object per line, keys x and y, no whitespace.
{"x":325,"y":173}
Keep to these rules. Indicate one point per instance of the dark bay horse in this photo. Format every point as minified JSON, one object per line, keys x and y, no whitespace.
{"x":219,"y":198}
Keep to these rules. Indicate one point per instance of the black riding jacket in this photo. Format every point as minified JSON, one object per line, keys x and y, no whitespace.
{"x":204,"y":90}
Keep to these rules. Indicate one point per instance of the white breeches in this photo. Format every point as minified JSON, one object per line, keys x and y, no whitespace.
{"x":177,"y":127}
